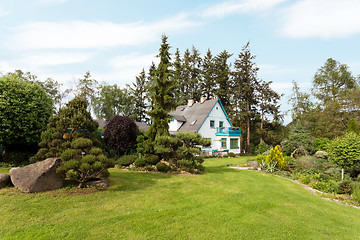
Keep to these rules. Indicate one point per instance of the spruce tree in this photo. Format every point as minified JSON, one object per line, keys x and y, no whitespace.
{"x":138,"y":91}
{"x":245,"y":84}
{"x":162,"y":93}
{"x":222,"y":75}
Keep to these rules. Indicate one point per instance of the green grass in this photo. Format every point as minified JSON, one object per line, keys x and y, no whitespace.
{"x":224,"y":203}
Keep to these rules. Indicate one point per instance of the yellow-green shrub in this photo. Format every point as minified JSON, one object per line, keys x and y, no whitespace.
{"x":276,"y":157}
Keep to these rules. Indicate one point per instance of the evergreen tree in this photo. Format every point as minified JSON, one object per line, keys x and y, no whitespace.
{"x":208,"y":83}
{"x":268,"y":104}
{"x":246,"y":85}
{"x":138,"y":92}
{"x":222,"y":75}
{"x":162,"y":94}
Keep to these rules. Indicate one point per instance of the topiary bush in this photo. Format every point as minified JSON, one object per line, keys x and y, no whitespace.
{"x":162,"y":167}
{"x":126,"y":160}
{"x":83,"y":162}
{"x":140,"y":162}
{"x":152,"y":159}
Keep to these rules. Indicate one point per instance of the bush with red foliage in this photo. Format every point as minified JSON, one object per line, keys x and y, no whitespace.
{"x":120,"y":134}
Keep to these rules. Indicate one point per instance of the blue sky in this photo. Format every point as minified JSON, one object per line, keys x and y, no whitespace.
{"x":114,"y":40}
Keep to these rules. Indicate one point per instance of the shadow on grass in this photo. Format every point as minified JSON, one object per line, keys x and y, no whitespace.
{"x":132,"y":181}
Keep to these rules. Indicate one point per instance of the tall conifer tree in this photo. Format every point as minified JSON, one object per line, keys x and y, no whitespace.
{"x":162,"y":93}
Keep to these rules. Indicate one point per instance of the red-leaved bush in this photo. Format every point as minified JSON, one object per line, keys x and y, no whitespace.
{"x":120,"y":134}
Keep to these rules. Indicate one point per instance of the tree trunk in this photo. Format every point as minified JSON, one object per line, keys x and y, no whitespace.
{"x":248,"y":150}
{"x":261,"y":126}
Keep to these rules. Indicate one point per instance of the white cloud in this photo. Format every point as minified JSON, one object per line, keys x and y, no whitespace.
{"x":322,"y":18}
{"x":85,"y":35}
{"x":53,"y":59}
{"x":4,"y":12}
{"x":133,"y":60}
{"x":234,"y":7}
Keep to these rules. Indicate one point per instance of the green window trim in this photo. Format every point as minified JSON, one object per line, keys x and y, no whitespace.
{"x":234,"y":143}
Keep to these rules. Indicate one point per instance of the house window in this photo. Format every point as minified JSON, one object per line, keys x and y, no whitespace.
{"x":223,"y":143}
{"x":172,"y":119}
{"x":212,"y":123}
{"x":234,"y":143}
{"x":221,"y":124}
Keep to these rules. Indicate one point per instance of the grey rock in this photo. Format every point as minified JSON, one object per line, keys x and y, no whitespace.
{"x":37,"y":177}
{"x":4,"y":180}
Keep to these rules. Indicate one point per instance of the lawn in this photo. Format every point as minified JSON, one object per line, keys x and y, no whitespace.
{"x":224,"y":203}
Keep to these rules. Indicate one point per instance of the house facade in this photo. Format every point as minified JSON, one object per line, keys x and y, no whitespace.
{"x":208,"y":118}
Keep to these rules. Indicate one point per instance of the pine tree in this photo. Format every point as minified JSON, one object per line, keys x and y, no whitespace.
{"x":138,"y":91}
{"x":162,"y":94}
{"x":208,"y":83}
{"x":245,"y":84}
{"x":222,"y":75}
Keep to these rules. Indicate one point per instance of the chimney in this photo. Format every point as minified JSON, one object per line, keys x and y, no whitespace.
{"x":202,"y":99}
{"x":191,"y":102}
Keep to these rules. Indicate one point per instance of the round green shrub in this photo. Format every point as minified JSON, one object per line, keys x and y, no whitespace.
{"x":140,"y":162}
{"x":81,"y":143}
{"x":67,"y":154}
{"x":231,"y":154}
{"x":343,"y":187}
{"x":162,"y":167}
{"x":152,"y":159}
{"x":126,"y":160}
{"x":149,"y":168}
{"x":95,"y":151}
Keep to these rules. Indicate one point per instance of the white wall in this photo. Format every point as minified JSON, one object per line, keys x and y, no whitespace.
{"x":217,"y":114}
{"x":174,"y":125}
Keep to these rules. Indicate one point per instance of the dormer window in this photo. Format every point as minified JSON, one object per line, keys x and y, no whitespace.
{"x":193,"y":122}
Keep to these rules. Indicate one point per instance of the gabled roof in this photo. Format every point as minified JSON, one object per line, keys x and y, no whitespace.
{"x":194,"y":116}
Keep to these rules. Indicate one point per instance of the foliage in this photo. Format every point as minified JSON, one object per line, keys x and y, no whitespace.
{"x":140,"y":162}
{"x":126,"y":160}
{"x":152,"y":159}
{"x":276,"y":157}
{"x":324,"y":186}
{"x":111,"y":100}
{"x":161,"y":93}
{"x":345,"y":151}
{"x":231,"y":154}
{"x":245,"y":85}
{"x":299,"y":139}
{"x":263,"y":147}
{"x":260,"y":158}
{"x":356,"y":191}
{"x":138,"y":91}
{"x":69,"y":123}
{"x":353,"y":126}
{"x":162,"y":167}
{"x":181,"y":150}
{"x":320,"y":144}
{"x":120,"y":134}
{"x":83,"y":162}
{"x":25,"y":109}
{"x":343,"y":187}
{"x":304,"y":163}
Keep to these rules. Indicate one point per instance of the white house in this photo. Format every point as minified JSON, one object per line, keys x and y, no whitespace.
{"x":209,"y":118}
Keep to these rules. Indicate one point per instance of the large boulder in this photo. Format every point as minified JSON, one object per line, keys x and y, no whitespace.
{"x":37,"y":177}
{"x":4,"y":180}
